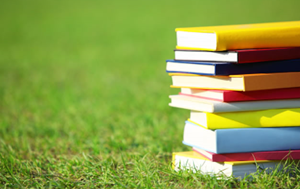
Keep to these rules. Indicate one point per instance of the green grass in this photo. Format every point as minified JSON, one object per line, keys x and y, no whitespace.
{"x":84,"y":93}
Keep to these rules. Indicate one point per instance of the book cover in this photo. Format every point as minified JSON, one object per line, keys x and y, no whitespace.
{"x":244,"y":82}
{"x":198,"y":104}
{"x":253,"y":156}
{"x":245,"y":36}
{"x":247,"y":119}
{"x":193,"y":161}
{"x":228,"y":68}
{"x":239,"y":56}
{"x":222,"y":141}
{"x":235,"y":96}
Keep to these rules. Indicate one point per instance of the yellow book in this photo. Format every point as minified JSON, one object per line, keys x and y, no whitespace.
{"x":194,"y":161}
{"x":248,"y":119}
{"x":247,"y":36}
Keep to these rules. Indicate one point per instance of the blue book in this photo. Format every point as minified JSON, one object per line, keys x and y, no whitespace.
{"x":229,"y":68}
{"x":222,"y":141}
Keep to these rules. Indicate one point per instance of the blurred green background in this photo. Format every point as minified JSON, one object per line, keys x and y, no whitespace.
{"x":88,"y":77}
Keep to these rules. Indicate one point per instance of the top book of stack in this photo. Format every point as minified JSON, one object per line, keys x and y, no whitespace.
{"x":232,"y":37}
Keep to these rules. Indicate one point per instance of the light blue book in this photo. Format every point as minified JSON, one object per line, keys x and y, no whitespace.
{"x":223,"y":141}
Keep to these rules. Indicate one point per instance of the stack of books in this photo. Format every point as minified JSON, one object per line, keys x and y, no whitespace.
{"x":242,"y":85}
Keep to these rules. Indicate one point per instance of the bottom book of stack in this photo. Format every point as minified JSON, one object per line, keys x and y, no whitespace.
{"x":194,"y":161}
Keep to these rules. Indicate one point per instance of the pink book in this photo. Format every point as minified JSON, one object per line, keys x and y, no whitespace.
{"x":252,"y":156}
{"x":234,"y":96}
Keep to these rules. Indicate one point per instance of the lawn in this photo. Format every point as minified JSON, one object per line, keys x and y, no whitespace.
{"x":84,"y":93}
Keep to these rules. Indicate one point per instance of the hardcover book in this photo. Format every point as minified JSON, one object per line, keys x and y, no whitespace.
{"x":239,"y":56}
{"x":247,"y":119}
{"x":227,"y":68}
{"x":245,"y":82}
{"x":193,"y":161}
{"x":235,"y":96}
{"x":222,"y":141}
{"x":198,"y":104}
{"x":253,"y":156}
{"x":246,"y":36}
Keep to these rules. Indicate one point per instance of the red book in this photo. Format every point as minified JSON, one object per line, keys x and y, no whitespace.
{"x":239,"y":56}
{"x":267,"y":155}
{"x":234,"y":96}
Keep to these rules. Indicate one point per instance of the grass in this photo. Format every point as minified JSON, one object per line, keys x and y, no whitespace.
{"x":84,"y":93}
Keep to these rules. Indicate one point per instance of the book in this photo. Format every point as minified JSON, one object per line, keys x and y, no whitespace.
{"x":244,"y":82}
{"x":248,"y":119}
{"x":228,"y":68}
{"x":251,"y":156}
{"x":245,"y":36}
{"x":235,"y":96}
{"x":191,"y":160}
{"x":198,"y":104}
{"x":239,"y":56}
{"x":222,"y":141}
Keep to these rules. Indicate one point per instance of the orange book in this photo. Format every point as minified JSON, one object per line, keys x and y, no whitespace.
{"x":246,"y":82}
{"x":246,"y":36}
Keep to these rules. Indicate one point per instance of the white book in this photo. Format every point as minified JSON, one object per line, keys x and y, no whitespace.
{"x":205,"y":105}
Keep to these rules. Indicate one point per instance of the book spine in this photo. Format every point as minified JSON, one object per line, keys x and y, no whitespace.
{"x":271,"y":81}
{"x":275,"y":94}
{"x":256,"y":105}
{"x":236,"y":96}
{"x":257,"y":139}
{"x":272,"y":155}
{"x":251,"y":119}
{"x":272,"y":37}
{"x":268,"y":55}
{"x":259,"y":67}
